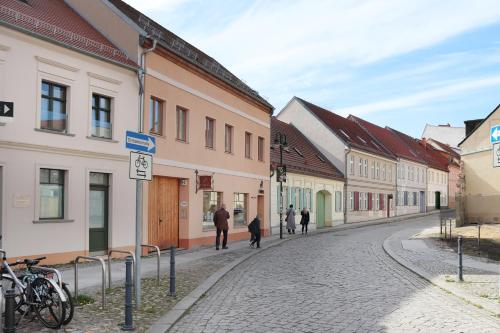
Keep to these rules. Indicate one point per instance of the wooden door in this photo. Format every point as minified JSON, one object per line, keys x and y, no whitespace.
{"x":163,"y":208}
{"x":320,"y":210}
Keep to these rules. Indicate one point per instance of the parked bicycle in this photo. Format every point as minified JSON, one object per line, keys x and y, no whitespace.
{"x":37,"y":291}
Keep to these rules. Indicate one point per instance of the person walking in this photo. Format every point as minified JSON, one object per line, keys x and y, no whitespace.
{"x":220,"y":221}
{"x":304,"y":220}
{"x":290,"y":220}
{"x":254,"y":228}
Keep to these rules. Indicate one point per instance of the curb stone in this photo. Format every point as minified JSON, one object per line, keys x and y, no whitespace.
{"x":164,"y":323}
{"x":474,"y":300}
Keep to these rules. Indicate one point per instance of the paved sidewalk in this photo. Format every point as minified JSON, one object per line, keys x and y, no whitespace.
{"x":481,"y":285}
{"x":89,"y":274}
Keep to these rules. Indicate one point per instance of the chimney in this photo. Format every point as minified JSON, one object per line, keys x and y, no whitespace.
{"x":470,"y":125}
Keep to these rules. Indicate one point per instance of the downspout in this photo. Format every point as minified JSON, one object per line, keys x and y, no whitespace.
{"x":141,"y":77}
{"x":347,"y":151}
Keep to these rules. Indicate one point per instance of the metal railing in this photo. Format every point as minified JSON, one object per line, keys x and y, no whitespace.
{"x":110,"y":252}
{"x":157,"y":260}
{"x":103,"y":285}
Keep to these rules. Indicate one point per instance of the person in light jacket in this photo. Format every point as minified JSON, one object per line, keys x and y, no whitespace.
{"x":220,"y":221}
{"x":290,"y":220}
{"x":304,"y":220}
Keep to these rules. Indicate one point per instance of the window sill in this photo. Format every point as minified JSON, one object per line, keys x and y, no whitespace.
{"x":53,"y":221}
{"x":43,"y":130}
{"x":97,"y":138}
{"x":182,"y":141}
{"x":229,"y":152}
{"x":210,"y":148}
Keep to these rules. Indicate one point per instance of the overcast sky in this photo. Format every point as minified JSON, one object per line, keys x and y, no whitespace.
{"x":392,"y":62}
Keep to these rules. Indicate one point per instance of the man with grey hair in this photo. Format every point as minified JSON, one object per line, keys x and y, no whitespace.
{"x":220,"y":221}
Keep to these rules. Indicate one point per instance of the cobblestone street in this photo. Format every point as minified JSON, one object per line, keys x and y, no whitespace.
{"x":332,"y":282}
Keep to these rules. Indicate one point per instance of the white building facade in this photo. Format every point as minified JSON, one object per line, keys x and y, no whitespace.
{"x":63,"y":163}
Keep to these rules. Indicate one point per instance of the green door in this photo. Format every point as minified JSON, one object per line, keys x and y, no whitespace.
{"x":98,"y":213}
{"x":438,"y":200}
{"x":320,"y":210}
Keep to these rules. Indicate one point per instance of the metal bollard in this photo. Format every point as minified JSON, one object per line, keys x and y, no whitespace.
{"x":479,"y":237}
{"x":450,"y":227}
{"x":460,"y":252}
{"x":10,"y":311}
{"x":445,"y":230}
{"x":172,"y":271}
{"x":129,"y":324}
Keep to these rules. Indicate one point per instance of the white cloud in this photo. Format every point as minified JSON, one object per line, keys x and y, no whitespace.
{"x":287,"y":38}
{"x":422,"y":97}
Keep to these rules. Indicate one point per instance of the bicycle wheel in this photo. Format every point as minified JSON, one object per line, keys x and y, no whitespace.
{"x":69,"y":305}
{"x":47,"y":303}
{"x":8,"y":283}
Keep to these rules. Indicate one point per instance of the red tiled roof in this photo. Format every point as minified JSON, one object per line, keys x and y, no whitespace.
{"x":348,"y":131}
{"x":388,"y":140}
{"x":447,"y":149}
{"x":311,"y":162}
{"x":55,"y":21}
{"x":188,"y":52}
{"x":426,"y":152}
{"x":448,"y":154}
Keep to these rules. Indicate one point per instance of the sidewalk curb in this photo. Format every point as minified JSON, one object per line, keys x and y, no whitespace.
{"x":474,"y":300}
{"x":164,"y":323}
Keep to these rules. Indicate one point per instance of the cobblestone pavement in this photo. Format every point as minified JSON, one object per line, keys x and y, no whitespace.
{"x":333,"y":282}
{"x":91,"y":319}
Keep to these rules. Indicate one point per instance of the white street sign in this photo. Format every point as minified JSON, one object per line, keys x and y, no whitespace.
{"x":496,"y":155}
{"x":141,"y":166}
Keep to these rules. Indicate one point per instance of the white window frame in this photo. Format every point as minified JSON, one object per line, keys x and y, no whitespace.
{"x":67,"y":184}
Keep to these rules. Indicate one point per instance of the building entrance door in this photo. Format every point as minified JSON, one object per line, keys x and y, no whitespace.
{"x":163,"y":212}
{"x":98,"y":212}
{"x":438,"y":200}
{"x":320,"y":210}
{"x":422,"y":202}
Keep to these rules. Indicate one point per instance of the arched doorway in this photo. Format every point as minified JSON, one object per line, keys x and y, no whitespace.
{"x":323,"y":209}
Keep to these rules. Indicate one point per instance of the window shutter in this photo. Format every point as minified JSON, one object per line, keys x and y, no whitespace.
{"x":301,"y":198}
{"x":292,"y":197}
{"x":311,"y":198}
{"x":356,"y":201}
{"x":381,"y":198}
{"x":370,"y":206}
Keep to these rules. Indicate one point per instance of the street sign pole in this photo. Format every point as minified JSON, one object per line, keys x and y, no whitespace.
{"x":138,"y":241}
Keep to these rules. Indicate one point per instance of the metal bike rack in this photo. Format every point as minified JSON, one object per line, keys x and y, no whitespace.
{"x":157,"y":260}
{"x":103,"y":285}
{"x":130,"y":253}
{"x":51,"y":270}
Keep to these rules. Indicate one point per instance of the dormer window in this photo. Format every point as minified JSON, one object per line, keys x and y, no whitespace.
{"x":345,"y":134}
{"x":298,"y":151}
{"x":362,"y":140}
{"x":320,"y":158}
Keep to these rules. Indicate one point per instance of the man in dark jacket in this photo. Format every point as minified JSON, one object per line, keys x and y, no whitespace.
{"x":220,"y":221}
{"x":254,"y":228}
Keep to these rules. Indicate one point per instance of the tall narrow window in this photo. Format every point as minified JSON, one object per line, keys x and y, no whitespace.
{"x":338,"y":201}
{"x":384,"y":168}
{"x":228,"y":138}
{"x":101,"y":116}
{"x":182,"y":124}
{"x":156,"y":116}
{"x":51,"y":194}
{"x":53,"y":115}
{"x":240,"y":208}
{"x":261,"y":149}
{"x":366,"y":168}
{"x":209,"y":132}
{"x":248,"y":145}
{"x":361,"y":167}
{"x":373,"y":169}
{"x":351,"y":165}
{"x":377,"y":170}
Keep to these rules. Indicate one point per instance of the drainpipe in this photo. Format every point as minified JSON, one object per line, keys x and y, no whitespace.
{"x":138,"y":185}
{"x":347,"y":151}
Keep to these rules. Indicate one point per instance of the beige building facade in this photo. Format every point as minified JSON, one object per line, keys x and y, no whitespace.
{"x":481,"y":180}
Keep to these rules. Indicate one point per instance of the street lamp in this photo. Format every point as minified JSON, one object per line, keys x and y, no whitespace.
{"x":280,"y":141}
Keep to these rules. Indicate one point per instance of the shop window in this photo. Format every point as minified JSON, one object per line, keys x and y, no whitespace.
{"x":211,"y":202}
{"x":240,"y":209}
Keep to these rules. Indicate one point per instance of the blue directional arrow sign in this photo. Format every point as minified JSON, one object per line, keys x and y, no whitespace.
{"x":495,"y":134}
{"x":140,"y":142}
